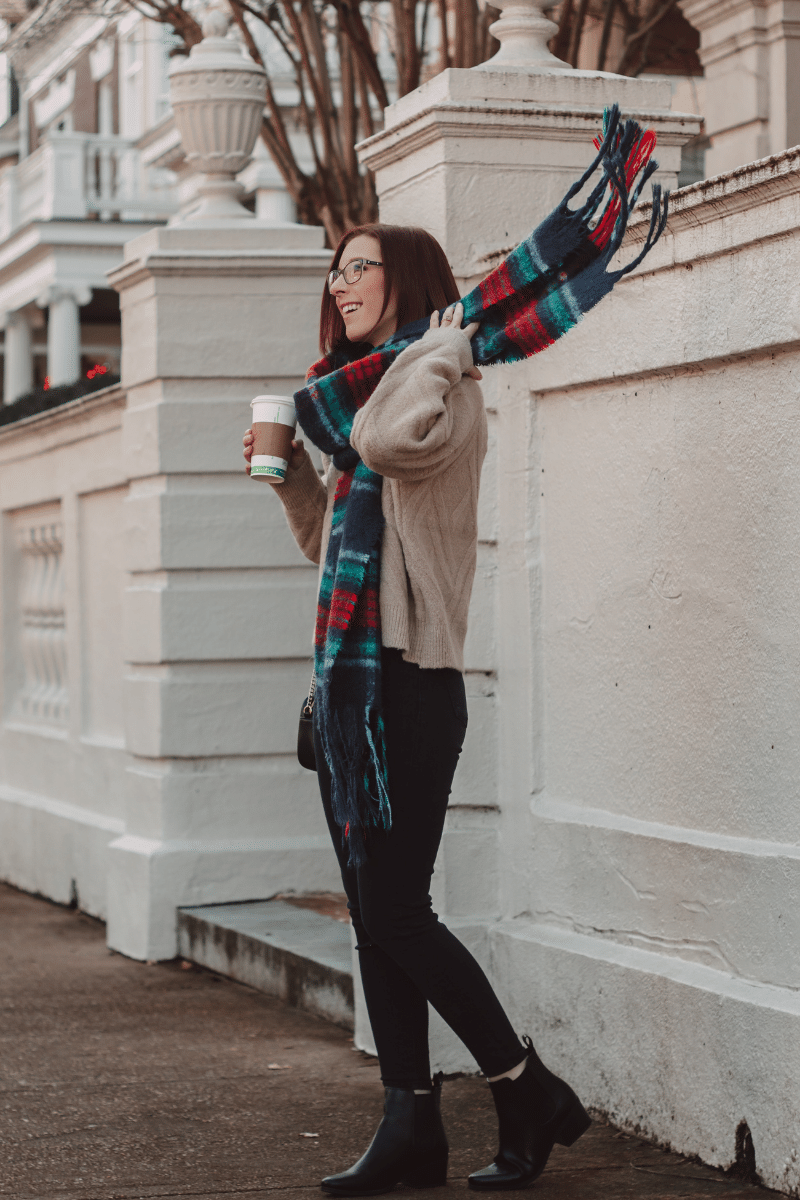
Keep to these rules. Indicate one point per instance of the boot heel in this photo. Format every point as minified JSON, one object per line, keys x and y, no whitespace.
{"x":574,"y":1125}
{"x":429,"y":1170}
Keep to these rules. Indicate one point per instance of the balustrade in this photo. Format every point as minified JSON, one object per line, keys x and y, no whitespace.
{"x":42,"y":625}
{"x":78,"y":175}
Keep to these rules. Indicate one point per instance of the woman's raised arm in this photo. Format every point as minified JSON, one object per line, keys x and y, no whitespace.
{"x":418,"y":419}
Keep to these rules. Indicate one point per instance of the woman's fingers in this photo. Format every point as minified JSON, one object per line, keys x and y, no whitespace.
{"x":298,"y":455}
{"x":453,"y":317}
{"x":474,"y":373}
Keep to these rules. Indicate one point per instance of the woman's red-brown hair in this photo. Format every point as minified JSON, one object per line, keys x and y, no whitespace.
{"x":415,"y":271}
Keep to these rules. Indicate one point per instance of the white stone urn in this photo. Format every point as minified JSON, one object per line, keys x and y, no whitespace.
{"x":218,"y":99}
{"x":523,"y":32}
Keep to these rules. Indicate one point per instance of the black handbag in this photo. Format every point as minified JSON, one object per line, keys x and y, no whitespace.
{"x":305,"y":732}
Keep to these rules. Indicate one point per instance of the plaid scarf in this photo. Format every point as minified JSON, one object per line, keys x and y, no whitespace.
{"x":535,"y":296}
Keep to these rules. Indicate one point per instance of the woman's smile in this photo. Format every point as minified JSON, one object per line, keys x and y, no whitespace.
{"x":361,"y":303}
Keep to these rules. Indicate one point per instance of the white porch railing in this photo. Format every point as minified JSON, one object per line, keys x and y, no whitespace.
{"x":73,"y":176}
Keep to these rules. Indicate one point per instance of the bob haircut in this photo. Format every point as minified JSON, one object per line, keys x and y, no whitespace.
{"x":415,"y":271}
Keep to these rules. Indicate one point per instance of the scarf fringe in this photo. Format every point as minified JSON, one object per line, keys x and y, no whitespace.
{"x":354,"y":744}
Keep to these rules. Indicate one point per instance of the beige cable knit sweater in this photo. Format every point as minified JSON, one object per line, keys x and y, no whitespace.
{"x":424,"y":431}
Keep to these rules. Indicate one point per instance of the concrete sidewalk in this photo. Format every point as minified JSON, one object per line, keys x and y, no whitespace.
{"x":121,"y":1081}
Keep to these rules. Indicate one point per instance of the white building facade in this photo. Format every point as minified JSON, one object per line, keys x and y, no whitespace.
{"x":621,"y":848}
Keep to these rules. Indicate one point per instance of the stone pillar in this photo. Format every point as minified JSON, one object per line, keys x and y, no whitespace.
{"x":783,"y":44}
{"x":219,"y":607}
{"x":479,"y":157}
{"x":18,"y":357}
{"x":64,"y":332}
{"x":751,"y":56}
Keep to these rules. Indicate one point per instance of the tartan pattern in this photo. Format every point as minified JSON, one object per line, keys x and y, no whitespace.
{"x":535,"y":296}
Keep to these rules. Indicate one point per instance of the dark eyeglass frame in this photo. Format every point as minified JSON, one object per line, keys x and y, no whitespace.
{"x":358,"y":263}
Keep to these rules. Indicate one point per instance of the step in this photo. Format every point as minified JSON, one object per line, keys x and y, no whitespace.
{"x":302,"y":956}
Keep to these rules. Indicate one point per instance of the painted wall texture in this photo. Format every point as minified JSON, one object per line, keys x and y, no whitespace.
{"x":662,"y":864}
{"x":629,"y":874}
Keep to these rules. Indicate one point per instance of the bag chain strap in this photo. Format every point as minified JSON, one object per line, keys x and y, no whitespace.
{"x":308,"y":707}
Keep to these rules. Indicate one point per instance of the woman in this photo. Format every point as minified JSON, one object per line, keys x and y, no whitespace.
{"x":421,"y":434}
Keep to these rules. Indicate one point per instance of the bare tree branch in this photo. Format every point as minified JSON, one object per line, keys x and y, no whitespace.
{"x":605,"y":35}
{"x":577,"y":32}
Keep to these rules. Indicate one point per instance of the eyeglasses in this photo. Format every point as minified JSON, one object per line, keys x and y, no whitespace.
{"x":352,"y":272}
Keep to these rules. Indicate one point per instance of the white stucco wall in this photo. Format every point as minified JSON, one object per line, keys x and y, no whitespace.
{"x":661,"y":858}
{"x":638,"y":862}
{"x":62,"y":757}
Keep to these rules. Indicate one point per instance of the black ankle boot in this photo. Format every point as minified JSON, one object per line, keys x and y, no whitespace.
{"x":536,"y":1110}
{"x":409,"y":1147}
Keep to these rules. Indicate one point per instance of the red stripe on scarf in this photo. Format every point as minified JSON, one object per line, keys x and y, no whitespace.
{"x":367,"y":611}
{"x":343,"y":606}
{"x":496,"y":286}
{"x":344,"y":485}
{"x":637,"y":159}
{"x":529,"y":333}
{"x":321,"y":627}
{"x":361,"y":374}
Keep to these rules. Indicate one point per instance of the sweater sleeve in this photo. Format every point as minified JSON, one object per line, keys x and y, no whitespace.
{"x":304,"y":498}
{"x":417,"y":419}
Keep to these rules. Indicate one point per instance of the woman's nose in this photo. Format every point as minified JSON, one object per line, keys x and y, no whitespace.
{"x":338,"y":285}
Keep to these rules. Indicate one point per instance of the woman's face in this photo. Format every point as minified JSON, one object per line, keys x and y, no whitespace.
{"x":360,"y":303}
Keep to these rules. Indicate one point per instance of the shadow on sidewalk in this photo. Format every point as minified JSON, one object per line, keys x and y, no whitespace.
{"x":122,"y":1081}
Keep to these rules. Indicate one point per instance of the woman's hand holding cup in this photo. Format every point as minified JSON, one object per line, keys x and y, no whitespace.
{"x":298,"y":455}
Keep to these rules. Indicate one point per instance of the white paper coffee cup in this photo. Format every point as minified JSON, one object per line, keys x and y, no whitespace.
{"x":274,"y":423}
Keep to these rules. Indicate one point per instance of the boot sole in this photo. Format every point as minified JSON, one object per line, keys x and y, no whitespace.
{"x":430,"y":1173}
{"x":425,"y":1183}
{"x":374,"y":1192}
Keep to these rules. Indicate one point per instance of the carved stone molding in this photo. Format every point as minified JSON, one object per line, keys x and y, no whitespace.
{"x":54,"y":293}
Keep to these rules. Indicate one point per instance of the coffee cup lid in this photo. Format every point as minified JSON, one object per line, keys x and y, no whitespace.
{"x":287,"y":400}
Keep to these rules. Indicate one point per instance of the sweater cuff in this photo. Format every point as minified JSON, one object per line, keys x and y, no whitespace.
{"x":301,"y":488}
{"x":455,"y":340}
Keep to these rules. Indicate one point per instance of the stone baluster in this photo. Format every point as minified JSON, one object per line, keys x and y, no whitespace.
{"x":42,"y":629}
{"x":105,"y":179}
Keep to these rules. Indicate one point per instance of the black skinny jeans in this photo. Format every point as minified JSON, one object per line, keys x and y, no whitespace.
{"x":407,"y":956}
